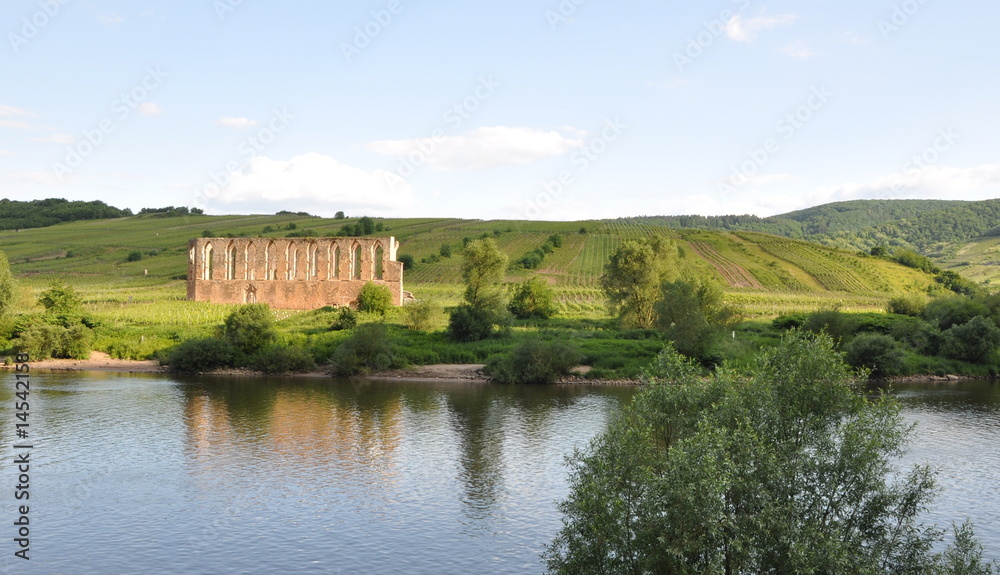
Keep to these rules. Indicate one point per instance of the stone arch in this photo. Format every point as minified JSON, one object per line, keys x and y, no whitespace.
{"x":208,"y":261}
{"x":312,"y":261}
{"x":356,"y":258}
{"x":231,"y":261}
{"x":250,"y":261}
{"x":270,"y":261}
{"x":335,"y":261}
{"x":378,"y":256}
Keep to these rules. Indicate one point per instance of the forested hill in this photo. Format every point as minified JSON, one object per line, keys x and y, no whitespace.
{"x":15,"y":215}
{"x":928,"y":226}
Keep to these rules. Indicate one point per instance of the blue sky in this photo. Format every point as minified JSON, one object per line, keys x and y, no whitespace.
{"x":525,"y":109}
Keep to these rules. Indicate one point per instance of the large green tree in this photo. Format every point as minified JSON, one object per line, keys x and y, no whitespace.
{"x":785,"y":467}
{"x":485,"y":308}
{"x":632,"y":278}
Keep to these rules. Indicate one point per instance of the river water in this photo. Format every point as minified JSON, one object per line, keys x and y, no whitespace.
{"x":150,"y":474}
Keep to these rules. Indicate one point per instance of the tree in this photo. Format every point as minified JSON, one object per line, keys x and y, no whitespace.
{"x":975,"y":340}
{"x":691,"y":313}
{"x":339,"y":216}
{"x":632,"y":278}
{"x":875,"y":351}
{"x":375,"y":298}
{"x":484,"y":311}
{"x":60,"y":299}
{"x":533,"y":299}
{"x":8,"y":288}
{"x":250,"y":328}
{"x":784,"y":467}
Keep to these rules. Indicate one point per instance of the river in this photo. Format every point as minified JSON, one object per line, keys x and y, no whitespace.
{"x":153,"y":474}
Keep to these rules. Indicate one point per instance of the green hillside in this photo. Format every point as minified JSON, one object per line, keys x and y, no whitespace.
{"x":765,"y":274}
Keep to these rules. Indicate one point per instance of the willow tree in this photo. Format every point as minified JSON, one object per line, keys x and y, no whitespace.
{"x":785,"y":467}
{"x":632,"y":279}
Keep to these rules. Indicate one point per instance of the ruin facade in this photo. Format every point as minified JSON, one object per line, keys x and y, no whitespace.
{"x":291,"y":273}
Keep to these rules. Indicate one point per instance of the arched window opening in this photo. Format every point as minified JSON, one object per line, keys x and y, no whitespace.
{"x":313,"y":262}
{"x":356,"y":263}
{"x":231,"y":263}
{"x":335,"y":271}
{"x":379,"y":269}
{"x":250,"y":262}
{"x":207,"y":262}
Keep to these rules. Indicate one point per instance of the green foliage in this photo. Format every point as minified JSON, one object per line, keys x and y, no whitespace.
{"x":877,"y":352}
{"x":957,"y":283}
{"x":474,"y":323}
{"x":912,"y":305}
{"x":691,"y":313}
{"x":47,"y":340}
{"x":8,"y":287}
{"x":483,"y":267}
{"x":445,"y":251}
{"x":250,"y":328}
{"x":556,"y":240}
{"x":534,"y":362}
{"x":368,"y":349}
{"x":339,"y":216}
{"x":345,"y":318}
{"x":975,"y":341}
{"x":632,"y":278}
{"x":955,"y":310}
{"x":780,"y":468}
{"x":790,"y":321}
{"x":421,"y":315}
{"x":202,"y":355}
{"x":375,"y":298}
{"x":278,"y":359}
{"x":533,"y":299}
{"x":838,"y":325}
{"x":134,"y":256}
{"x":207,"y":234}
{"x":60,"y":299}
{"x":16,"y":215}
{"x":912,"y":259}
{"x":407,"y":261}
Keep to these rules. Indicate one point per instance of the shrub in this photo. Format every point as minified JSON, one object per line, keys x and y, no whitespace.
{"x":951,"y":311}
{"x":912,"y":305}
{"x":201,"y":355}
{"x":282,"y":359}
{"x":134,"y":256}
{"x":533,"y":361}
{"x":445,"y":251}
{"x":407,"y":261}
{"x":421,"y":315}
{"x":368,"y":349}
{"x":346,"y":318}
{"x":556,"y":240}
{"x":60,"y":299}
{"x":46,"y":340}
{"x":974,"y":341}
{"x":469,"y":323}
{"x":8,"y":287}
{"x":877,"y":352}
{"x":533,"y":299}
{"x":77,"y":341}
{"x":250,"y":328}
{"x":375,"y":298}
{"x":790,"y":321}
{"x":839,"y":326}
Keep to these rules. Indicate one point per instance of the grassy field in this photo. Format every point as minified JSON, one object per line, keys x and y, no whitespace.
{"x":143,"y":302}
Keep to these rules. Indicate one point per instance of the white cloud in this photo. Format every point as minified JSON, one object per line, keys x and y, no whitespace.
{"x":979,"y":182}
{"x":21,"y":179}
{"x":482,"y":148}
{"x":11,"y":111}
{"x":236,"y":122}
{"x":150,"y":109}
{"x":15,"y":112}
{"x":56,"y":139}
{"x":797,"y":49}
{"x":746,"y":30}
{"x":110,"y":18}
{"x":6,"y":153}
{"x":318,"y":179}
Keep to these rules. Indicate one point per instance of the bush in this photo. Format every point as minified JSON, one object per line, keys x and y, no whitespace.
{"x":375,"y":298}
{"x":201,"y":355}
{"x":346,"y":318}
{"x":134,"y":256}
{"x":468,"y":323}
{"x":533,"y":362}
{"x":445,"y":251}
{"x":250,"y":328}
{"x":421,"y":315}
{"x":974,"y":341}
{"x":951,"y":311}
{"x":407,"y":261}
{"x":60,"y":299}
{"x":368,"y":349}
{"x":790,"y":321}
{"x":877,"y":352}
{"x":911,"y":305}
{"x":45,"y":341}
{"x":533,"y":299}
{"x":282,"y":359}
{"x":837,"y":325}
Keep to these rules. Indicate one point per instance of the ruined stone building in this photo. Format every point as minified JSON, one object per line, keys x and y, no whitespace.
{"x":291,"y":273}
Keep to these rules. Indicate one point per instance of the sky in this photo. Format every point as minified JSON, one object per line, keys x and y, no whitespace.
{"x":520,"y":109}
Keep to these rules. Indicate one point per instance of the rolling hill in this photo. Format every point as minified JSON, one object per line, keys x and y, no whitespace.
{"x":764,"y":273}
